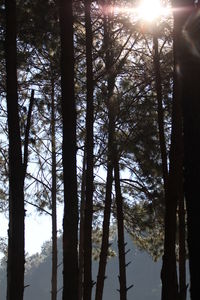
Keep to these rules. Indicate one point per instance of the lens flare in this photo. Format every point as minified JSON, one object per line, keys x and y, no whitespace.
{"x":150,"y":10}
{"x":146,"y":10}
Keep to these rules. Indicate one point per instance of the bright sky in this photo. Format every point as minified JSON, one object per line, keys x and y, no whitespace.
{"x":38,"y":229}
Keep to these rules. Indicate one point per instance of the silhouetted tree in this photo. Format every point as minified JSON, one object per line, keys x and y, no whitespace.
{"x":70,"y":220}
{"x":174,"y":193}
{"x":87,"y":291}
{"x":15,"y":267}
{"x":53,"y":198}
{"x":108,"y":94}
{"x":187,"y":55}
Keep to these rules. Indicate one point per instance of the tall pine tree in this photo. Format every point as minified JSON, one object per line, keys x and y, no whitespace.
{"x":70,"y":220}
{"x":15,"y":267}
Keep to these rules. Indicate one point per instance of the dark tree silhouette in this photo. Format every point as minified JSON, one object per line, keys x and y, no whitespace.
{"x":159,"y":96}
{"x":15,"y":267}
{"x":87,"y":292}
{"x":70,"y":220}
{"x":187,"y":26}
{"x":109,"y":57}
{"x":120,"y":228}
{"x":53,"y":197}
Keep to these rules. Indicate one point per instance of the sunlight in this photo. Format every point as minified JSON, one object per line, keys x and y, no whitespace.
{"x":150,"y":10}
{"x":146,"y":10}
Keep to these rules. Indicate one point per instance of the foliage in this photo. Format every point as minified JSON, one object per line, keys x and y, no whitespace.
{"x":134,"y":105}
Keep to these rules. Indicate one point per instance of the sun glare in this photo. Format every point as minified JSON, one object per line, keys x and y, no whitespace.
{"x":147,"y":10}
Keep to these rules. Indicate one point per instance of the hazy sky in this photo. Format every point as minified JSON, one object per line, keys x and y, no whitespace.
{"x":38,"y":228}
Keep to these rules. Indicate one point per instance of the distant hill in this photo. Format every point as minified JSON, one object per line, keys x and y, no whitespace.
{"x":143,"y":272}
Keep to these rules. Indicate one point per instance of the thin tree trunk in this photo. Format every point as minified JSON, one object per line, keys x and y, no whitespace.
{"x":105,"y":237}
{"x":112,"y":163}
{"x":158,"y":83}
{"x":109,"y":180}
{"x":120,"y":227}
{"x":81,"y":231}
{"x":87,"y":288}
{"x":53,"y":199}
{"x":70,"y":220}
{"x":107,"y":212}
{"x":15,"y":266}
{"x":182,"y":250}
{"x":27,"y":131}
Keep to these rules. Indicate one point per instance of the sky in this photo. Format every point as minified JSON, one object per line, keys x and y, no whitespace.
{"x":37,"y":228}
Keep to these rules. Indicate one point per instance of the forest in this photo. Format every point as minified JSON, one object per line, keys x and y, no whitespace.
{"x":100,"y":112}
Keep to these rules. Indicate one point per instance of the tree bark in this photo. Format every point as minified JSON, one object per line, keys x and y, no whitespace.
{"x":105,"y":236}
{"x":120,"y":227}
{"x":27,"y":132}
{"x":188,"y":80}
{"x":53,"y":198}
{"x":174,"y":186}
{"x":172,"y":194}
{"x":187,"y":40}
{"x":68,"y":107}
{"x":109,"y":180}
{"x":88,"y":284}
{"x":182,"y":249}
{"x":112,"y":164}
{"x":15,"y":266}
{"x":81,"y":230}
{"x":108,"y":198}
{"x":161,"y":129}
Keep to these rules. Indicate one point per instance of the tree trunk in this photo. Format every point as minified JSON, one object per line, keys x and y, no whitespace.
{"x":189,"y":63}
{"x":81,"y":231}
{"x":120,"y":227}
{"x":175,"y":184}
{"x":172,"y":194}
{"x":174,"y":187}
{"x":191,"y":113}
{"x":15,"y":266}
{"x":27,"y":132}
{"x":68,"y":106}
{"x":182,"y":249}
{"x":161,"y":129}
{"x":105,"y":237}
{"x":87,"y":289}
{"x":53,"y":199}
{"x":108,"y":201}
{"x":109,"y":180}
{"x":188,"y":82}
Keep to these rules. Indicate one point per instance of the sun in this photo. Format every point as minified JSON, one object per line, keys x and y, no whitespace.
{"x":150,"y":10}
{"x":145,"y":10}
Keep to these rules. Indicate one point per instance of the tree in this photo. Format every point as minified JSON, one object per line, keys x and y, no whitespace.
{"x":111,"y":68}
{"x":15,"y":269}
{"x":70,"y":220}
{"x":53,"y":199}
{"x":109,"y":177}
{"x":172,"y":193}
{"x":87,"y":292}
{"x":186,"y":28}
